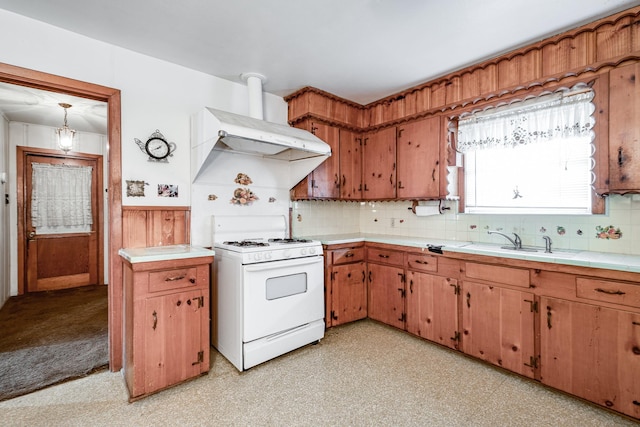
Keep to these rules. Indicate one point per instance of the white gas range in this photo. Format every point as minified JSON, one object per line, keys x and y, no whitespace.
{"x":268,"y":290}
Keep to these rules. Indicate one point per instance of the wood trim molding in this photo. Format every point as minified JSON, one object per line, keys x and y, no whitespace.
{"x":53,"y":83}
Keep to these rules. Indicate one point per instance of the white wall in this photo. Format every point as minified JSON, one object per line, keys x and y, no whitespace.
{"x":155,"y":95}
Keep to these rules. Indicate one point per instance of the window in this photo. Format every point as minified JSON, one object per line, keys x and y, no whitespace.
{"x":530,"y":157}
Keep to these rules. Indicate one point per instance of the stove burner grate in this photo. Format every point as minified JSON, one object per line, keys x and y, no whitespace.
{"x":289,"y":240}
{"x":246,"y":243}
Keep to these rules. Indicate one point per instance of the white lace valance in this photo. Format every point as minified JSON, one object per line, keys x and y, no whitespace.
{"x":61,"y":197}
{"x":537,"y":120}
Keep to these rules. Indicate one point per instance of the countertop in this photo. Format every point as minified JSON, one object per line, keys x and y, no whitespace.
{"x":604,"y":260}
{"x":163,"y":253}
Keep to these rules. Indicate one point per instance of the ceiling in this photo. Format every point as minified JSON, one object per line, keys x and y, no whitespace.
{"x":361,"y":50}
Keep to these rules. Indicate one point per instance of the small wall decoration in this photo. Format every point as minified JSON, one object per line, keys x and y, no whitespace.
{"x":561,"y":230}
{"x":243,"y":179}
{"x":272,"y":199}
{"x":135,"y":188}
{"x":243,"y":196}
{"x":608,"y":232}
{"x":212,"y":197}
{"x":157,"y":147}
{"x":167,"y":190}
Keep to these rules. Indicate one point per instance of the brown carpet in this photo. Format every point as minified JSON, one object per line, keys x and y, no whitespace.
{"x":50,"y":337}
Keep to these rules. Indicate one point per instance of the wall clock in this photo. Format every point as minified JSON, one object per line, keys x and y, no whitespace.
{"x":156,"y":147}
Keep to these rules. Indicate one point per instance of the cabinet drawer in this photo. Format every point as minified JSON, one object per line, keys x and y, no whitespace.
{"x":422,"y":262}
{"x":347,"y":255}
{"x":385,"y":256}
{"x":497,"y":274}
{"x":608,"y":291}
{"x":172,"y":279}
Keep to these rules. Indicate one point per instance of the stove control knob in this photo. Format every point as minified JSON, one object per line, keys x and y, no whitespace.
{"x":267,"y":255}
{"x":312,"y":251}
{"x":286,"y":254}
{"x":257,"y":256}
{"x":303,"y":251}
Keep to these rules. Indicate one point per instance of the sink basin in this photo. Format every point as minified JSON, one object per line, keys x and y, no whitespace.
{"x":529,"y":252}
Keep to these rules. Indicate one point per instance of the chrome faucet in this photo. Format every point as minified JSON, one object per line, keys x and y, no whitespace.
{"x":517,"y":242}
{"x":547,"y":244}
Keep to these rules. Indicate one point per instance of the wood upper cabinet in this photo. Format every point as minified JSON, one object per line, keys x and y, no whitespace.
{"x":432,"y":307}
{"x":379,"y":164}
{"x":324,"y":181}
{"x":350,"y":165}
{"x":498,"y":326}
{"x":418,"y":159}
{"x":624,"y":128}
{"x":592,"y":352}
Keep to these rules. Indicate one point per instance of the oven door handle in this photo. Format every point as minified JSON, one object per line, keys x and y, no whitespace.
{"x":287,"y":263}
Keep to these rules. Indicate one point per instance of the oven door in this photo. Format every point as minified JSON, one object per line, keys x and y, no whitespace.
{"x":282,"y":295}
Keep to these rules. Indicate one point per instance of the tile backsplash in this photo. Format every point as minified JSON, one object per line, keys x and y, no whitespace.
{"x":617,"y":231}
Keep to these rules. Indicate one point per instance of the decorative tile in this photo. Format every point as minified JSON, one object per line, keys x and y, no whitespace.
{"x":608,"y":232}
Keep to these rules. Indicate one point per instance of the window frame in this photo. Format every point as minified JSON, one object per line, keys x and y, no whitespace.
{"x":600,"y":86}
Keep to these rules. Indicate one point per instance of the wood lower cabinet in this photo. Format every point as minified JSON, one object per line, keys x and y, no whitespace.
{"x":498,"y":326}
{"x":432,"y":307}
{"x":349,"y":293}
{"x":592,"y":352}
{"x":166,"y":323}
{"x":345,"y":284}
{"x":386,"y":290}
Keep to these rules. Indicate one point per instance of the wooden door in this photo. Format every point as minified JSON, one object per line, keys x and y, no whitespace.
{"x":350,"y":165}
{"x":498,"y":326}
{"x":386,"y":294}
{"x":418,"y":159}
{"x":173,"y":345}
{"x":432,"y":308}
{"x":624,"y":128}
{"x":591,"y":352}
{"x":380,"y":164}
{"x":62,"y":257}
{"x":348,"y":293}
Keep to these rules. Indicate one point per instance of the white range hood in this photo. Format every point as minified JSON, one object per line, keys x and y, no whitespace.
{"x":225,"y":140}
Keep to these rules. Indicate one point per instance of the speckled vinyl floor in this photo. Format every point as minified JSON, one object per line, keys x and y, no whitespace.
{"x":362,"y":374}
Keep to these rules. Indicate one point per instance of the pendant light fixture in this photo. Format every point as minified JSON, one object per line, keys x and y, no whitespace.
{"x":65,"y":134}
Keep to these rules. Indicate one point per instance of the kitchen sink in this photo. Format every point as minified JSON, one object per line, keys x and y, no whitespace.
{"x":525,"y":251}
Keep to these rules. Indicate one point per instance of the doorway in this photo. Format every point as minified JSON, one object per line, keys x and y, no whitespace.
{"x":60,"y":222}
{"x":49,"y":82}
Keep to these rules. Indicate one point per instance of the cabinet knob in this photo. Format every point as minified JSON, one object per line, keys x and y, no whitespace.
{"x":192,"y":280}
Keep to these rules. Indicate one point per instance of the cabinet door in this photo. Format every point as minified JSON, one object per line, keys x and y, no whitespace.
{"x":498,"y":326}
{"x":432,"y":308}
{"x":386,"y":294}
{"x":624,"y":128}
{"x":380,"y":164}
{"x":349,"y":293}
{"x":418,"y":159}
{"x":592,"y":352}
{"x":173,"y":345}
{"x":350,"y":165}
{"x":325,"y":182}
